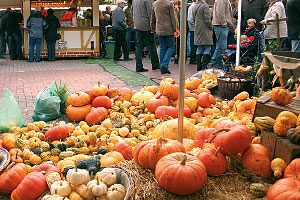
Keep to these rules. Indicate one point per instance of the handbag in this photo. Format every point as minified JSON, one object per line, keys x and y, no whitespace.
{"x":58,"y":36}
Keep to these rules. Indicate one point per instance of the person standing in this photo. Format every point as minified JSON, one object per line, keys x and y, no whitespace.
{"x":255,"y":9}
{"x":203,"y":33}
{"x":2,"y":36}
{"x":51,"y":34}
{"x":109,"y":12}
{"x":130,"y":33}
{"x":119,"y":29}
{"x":191,"y":25}
{"x":222,"y":21}
{"x":164,"y":24}
{"x":142,"y":11}
{"x":293,"y":14}
{"x":36,"y":24}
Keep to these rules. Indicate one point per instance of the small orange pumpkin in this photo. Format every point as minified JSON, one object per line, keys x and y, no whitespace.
{"x":99,"y":89}
{"x":96,"y":115}
{"x":78,"y":99}
{"x":281,"y":96}
{"x":77,"y":114}
{"x":169,"y":88}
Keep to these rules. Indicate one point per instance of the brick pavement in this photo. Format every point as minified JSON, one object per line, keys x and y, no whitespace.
{"x":26,"y":79}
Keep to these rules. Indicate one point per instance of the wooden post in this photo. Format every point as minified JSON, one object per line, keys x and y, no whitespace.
{"x":95,"y":10}
{"x":278,"y":31}
{"x":26,"y":10}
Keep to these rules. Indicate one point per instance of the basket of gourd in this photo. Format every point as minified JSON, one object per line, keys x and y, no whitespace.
{"x":4,"y":159}
{"x":109,"y":183}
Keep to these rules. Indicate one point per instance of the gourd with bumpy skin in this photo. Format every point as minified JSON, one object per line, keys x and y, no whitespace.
{"x":281,"y":96}
{"x":278,"y":165}
{"x":107,"y":176}
{"x":281,"y":126}
{"x":116,"y":192}
{"x":52,"y":177}
{"x":62,"y":188}
{"x":78,"y":176}
{"x":291,"y":117}
{"x":258,"y":189}
{"x":93,"y":165}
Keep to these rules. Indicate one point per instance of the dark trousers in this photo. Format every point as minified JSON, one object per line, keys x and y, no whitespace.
{"x":15,"y":46}
{"x":35,"y":42}
{"x":193,"y":47}
{"x":120,"y":42}
{"x":51,"y":49}
{"x":147,"y":37}
{"x":2,"y":43}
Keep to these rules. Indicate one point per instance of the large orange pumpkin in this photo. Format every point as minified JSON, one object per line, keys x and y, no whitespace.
{"x":215,"y":162}
{"x":125,"y":94}
{"x":284,"y":189}
{"x":148,"y":153}
{"x":125,"y":149}
{"x":188,"y":144}
{"x":203,"y":100}
{"x":102,"y":101}
{"x":163,"y":111}
{"x":8,"y":141}
{"x":11,"y":178}
{"x":77,"y":114}
{"x":281,"y":96}
{"x":31,"y":187}
{"x":226,"y":123}
{"x":293,"y":169}
{"x":169,"y":88}
{"x":59,"y":132}
{"x":78,"y":99}
{"x":203,"y":136}
{"x":96,"y":115}
{"x":46,"y":168}
{"x":158,"y":100}
{"x":256,"y":158}
{"x":180,"y":173}
{"x":298,"y":120}
{"x":233,"y":140}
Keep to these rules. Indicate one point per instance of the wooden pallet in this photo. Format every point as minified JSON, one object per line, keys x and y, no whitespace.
{"x":268,"y":139}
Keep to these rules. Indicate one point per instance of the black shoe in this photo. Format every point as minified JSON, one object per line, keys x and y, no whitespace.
{"x":141,"y":70}
{"x":155,"y":68}
{"x":193,"y":62}
{"x":165,"y":71}
{"x":127,"y":59}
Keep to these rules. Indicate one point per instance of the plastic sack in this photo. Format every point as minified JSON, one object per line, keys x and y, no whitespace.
{"x":10,"y":113}
{"x":47,"y":104}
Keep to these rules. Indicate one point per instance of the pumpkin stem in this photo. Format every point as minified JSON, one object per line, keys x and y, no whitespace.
{"x":218,"y":150}
{"x":108,"y":86}
{"x":55,"y":191}
{"x":183,"y":161}
{"x":97,"y":180}
{"x":17,"y":154}
{"x":216,"y":132}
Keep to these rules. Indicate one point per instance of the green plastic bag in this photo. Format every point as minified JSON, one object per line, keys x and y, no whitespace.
{"x":47,"y":104}
{"x":10,"y":113}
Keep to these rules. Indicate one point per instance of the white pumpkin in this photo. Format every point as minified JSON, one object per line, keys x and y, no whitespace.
{"x":75,"y":196}
{"x":78,"y":176}
{"x":116,"y":192}
{"x":54,"y":197}
{"x":97,"y":187}
{"x":83,"y":191}
{"x":52,"y":177}
{"x":61,"y":188}
{"x":107,"y":176}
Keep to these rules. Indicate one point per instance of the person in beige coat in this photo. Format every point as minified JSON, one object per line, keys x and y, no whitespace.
{"x":164,"y":24}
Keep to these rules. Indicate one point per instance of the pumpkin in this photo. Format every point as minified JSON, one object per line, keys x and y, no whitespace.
{"x":163,"y":111}
{"x":278,"y":165}
{"x":8,"y":141}
{"x":59,"y":132}
{"x":287,"y":188}
{"x":125,"y":94}
{"x":141,"y":97}
{"x":151,"y":88}
{"x":211,"y":111}
{"x":293,"y":169}
{"x":75,"y":196}
{"x":96,"y":115}
{"x":97,"y":187}
{"x":169,"y":129}
{"x":112,"y":92}
{"x":35,"y":159}
{"x":201,"y":89}
{"x":33,"y":186}
{"x":77,"y":114}
{"x":12,"y":177}
{"x":256,"y":159}
{"x":256,"y":140}
{"x":78,"y":99}
{"x":148,"y":153}
{"x":125,"y":149}
{"x":111,"y":158}
{"x":158,"y":100}
{"x":281,"y":126}
{"x":15,"y":158}
{"x":203,"y":100}
{"x":52,"y":177}
{"x":84,"y":192}
{"x":293,"y":135}
{"x":99,"y":89}
{"x":107,"y":176}
{"x":264,"y":123}
{"x":62,"y":188}
{"x":34,"y":142}
{"x":203,"y":136}
{"x":298,"y":120}
{"x":102,"y":101}
{"x":188,"y":174}
{"x":226,"y":123}
{"x":242,"y":96}
{"x":78,"y":176}
{"x":290,"y":116}
{"x":54,"y":197}
{"x":281,"y":96}
{"x":92,"y":97}
{"x":116,"y":192}
{"x":214,"y":161}
{"x":169,"y":88}
{"x":46,"y":168}
{"x":192,"y":83}
{"x":233,"y":140}
{"x":16,"y":151}
{"x":191,"y":102}
{"x":188,"y":144}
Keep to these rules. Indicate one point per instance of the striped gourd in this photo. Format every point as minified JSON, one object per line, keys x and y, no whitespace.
{"x":45,"y":146}
{"x":66,"y":154}
{"x":82,"y":150}
{"x":19,"y":143}
{"x":45,"y":156}
{"x":55,"y":151}
{"x":264,"y":123}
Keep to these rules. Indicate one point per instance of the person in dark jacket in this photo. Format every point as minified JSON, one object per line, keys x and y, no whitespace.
{"x":255,"y":9}
{"x":2,"y":36}
{"x":36,"y":24}
{"x":12,"y":23}
{"x":293,"y":14}
{"x":51,"y":34}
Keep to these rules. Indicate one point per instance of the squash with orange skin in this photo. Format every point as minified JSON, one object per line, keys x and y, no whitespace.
{"x":281,"y":96}
{"x":281,"y":126}
{"x":169,"y":88}
{"x":96,"y":115}
{"x":203,"y":136}
{"x":78,"y":99}
{"x":290,"y":116}
{"x":203,"y":100}
{"x":283,"y":189}
{"x":99,"y":89}
{"x":59,"y":132}
{"x":8,"y":141}
{"x":293,"y":170}
{"x":102,"y":101}
{"x":125,"y":149}
{"x":77,"y":114}
{"x":158,"y":100}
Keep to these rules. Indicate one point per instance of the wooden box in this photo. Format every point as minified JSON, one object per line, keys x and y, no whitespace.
{"x":268,"y":139}
{"x":286,"y":150}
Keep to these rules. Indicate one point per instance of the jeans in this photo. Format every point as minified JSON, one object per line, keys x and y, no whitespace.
{"x":295,"y":45}
{"x":203,"y":49}
{"x":188,"y":42}
{"x":130,"y":36}
{"x":15,"y":46}
{"x":148,"y":38}
{"x":37,"y":42}
{"x":51,"y":49}
{"x":120,"y":42}
{"x":193,"y":47}
{"x":167,"y":47}
{"x":221,"y":45}
{"x":2,"y":42}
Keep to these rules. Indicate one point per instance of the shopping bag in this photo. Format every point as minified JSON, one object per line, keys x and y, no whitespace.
{"x":10,"y":114}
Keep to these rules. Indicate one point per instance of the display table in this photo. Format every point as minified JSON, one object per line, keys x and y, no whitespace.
{"x":74,"y":42}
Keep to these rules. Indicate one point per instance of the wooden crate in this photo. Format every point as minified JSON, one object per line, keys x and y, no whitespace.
{"x":268,"y":139}
{"x":286,"y":150}
{"x":266,"y":107}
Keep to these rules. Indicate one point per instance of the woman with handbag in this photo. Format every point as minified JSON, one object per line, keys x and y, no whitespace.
{"x":51,"y":34}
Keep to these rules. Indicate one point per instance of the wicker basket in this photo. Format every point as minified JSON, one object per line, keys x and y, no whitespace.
{"x":4,"y":159}
{"x":239,"y":73}
{"x":230,"y":87}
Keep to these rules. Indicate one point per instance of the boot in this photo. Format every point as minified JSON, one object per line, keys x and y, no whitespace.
{"x":205,"y":61}
{"x":199,"y":62}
